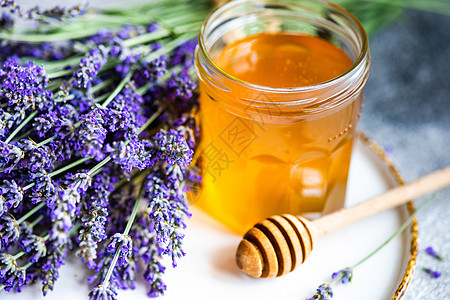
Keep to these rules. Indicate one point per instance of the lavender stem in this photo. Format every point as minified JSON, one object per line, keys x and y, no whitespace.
{"x":22,"y":124}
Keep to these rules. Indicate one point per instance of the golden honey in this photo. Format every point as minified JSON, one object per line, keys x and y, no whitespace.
{"x":267,"y":145}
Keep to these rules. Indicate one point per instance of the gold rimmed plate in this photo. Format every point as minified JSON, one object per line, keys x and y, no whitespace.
{"x":209,"y":272}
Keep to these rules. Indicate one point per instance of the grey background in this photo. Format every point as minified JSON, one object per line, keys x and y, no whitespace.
{"x":407,"y":109}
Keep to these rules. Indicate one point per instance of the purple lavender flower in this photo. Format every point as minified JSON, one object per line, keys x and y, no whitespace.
{"x":6,"y":21}
{"x":168,"y":208}
{"x":36,"y":13}
{"x":432,"y":273}
{"x":184,"y":54}
{"x":150,"y":71}
{"x":11,"y":196}
{"x":15,"y":281}
{"x":180,"y":86}
{"x":26,"y":145}
{"x":345,"y":275}
{"x":116,"y":46}
{"x":127,"y":274}
{"x":23,"y":86}
{"x":80,"y":180}
{"x":45,"y":51}
{"x":129,"y":155}
{"x":11,"y":275}
{"x":151,"y":252}
{"x":188,"y":126}
{"x":94,"y":217}
{"x":8,"y":266}
{"x":43,"y":189}
{"x":58,"y":121}
{"x":129,"y":58}
{"x":124,"y":114}
{"x":160,"y":207}
{"x":323,"y":292}
{"x":172,"y":147}
{"x":90,"y":65}
{"x":62,"y":214}
{"x":152,"y":27}
{"x":32,"y":244}
{"x":102,"y":292}
{"x":44,"y":123}
{"x":39,"y":158}
{"x":430,"y":251}
{"x":389,"y":149}
{"x":123,"y":244}
{"x":6,"y":122}
{"x":92,"y":134}
{"x":154,"y":270}
{"x":128,"y":31}
{"x":49,"y":272}
{"x":10,"y":156}
{"x":82,"y":101}
{"x":9,"y":230}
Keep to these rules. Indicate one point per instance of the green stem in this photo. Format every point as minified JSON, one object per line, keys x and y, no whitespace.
{"x":104,"y":161}
{"x":100,"y":86}
{"x":22,"y":253}
{"x":125,"y":232}
{"x":54,"y":37}
{"x":24,"y":122}
{"x":62,"y":99}
{"x":46,"y":141}
{"x":142,"y":128}
{"x":150,"y":120}
{"x":54,"y":84}
{"x":146,"y":37}
{"x":69,"y":166}
{"x":63,"y":169}
{"x":60,"y":64}
{"x":59,"y":73}
{"x":31,"y":212}
{"x":399,"y":230}
{"x":99,"y":166}
{"x":36,"y":221}
{"x":100,"y":98}
{"x":118,"y":89}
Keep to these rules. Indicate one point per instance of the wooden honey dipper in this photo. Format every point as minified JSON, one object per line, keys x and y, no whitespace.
{"x":275,"y":246}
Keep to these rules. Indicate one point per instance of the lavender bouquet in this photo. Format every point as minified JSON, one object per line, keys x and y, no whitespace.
{"x":97,"y":131}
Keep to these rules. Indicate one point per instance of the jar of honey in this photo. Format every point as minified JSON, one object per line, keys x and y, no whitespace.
{"x":280,"y":97}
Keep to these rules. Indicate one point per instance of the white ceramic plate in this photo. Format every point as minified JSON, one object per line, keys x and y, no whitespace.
{"x":209,"y":272}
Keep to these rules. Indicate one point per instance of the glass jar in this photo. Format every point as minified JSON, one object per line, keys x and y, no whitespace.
{"x":267,"y":150}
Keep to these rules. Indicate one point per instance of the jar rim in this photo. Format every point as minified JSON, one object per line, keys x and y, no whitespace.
{"x":356,"y":64}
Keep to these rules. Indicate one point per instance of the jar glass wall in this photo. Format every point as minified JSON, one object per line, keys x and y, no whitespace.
{"x":268,"y":150}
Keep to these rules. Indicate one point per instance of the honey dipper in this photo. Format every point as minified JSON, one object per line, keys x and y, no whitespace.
{"x":275,"y":246}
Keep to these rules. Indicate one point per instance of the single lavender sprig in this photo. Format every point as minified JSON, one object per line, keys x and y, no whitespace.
{"x":10,"y":229}
{"x":345,"y":275}
{"x":430,"y":251}
{"x":90,"y":65}
{"x":324,"y":292}
{"x":107,"y":289}
{"x":35,"y":13}
{"x":432,"y":273}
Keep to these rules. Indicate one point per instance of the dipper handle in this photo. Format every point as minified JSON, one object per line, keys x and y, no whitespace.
{"x":278,"y":244}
